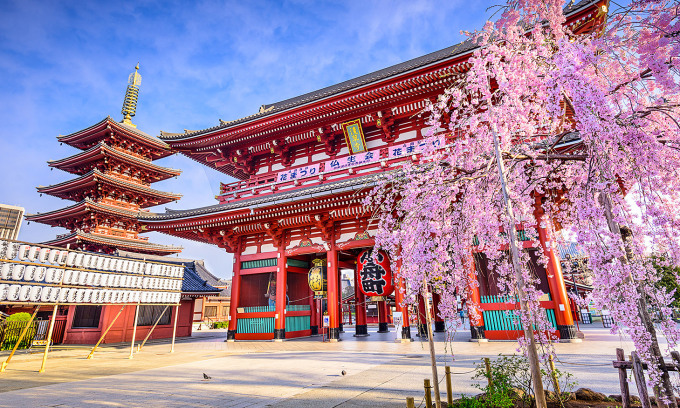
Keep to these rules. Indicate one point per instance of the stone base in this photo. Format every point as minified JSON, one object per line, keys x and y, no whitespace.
{"x":361,"y":330}
{"x":567,"y":331}
{"x":406,"y":333}
{"x":340,"y":328}
{"x":382,"y":328}
{"x":333,"y":333}
{"x":231,"y":335}
{"x":439,"y":327}
{"x":315,"y":330}
{"x":279,"y":334}
{"x":477,"y":333}
{"x":422,"y":330}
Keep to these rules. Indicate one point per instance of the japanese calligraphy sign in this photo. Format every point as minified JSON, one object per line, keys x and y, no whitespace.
{"x":301,"y":172}
{"x":407,"y":149}
{"x":375,"y":274}
{"x":354,"y":136}
{"x":351,"y":161}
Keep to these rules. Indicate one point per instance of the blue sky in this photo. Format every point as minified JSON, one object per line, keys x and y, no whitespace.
{"x":64,"y":67}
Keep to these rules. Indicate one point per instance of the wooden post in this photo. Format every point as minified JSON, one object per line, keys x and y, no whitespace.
{"x":553,"y":375}
{"x":449,"y":387}
{"x":49,"y":340}
{"x":174,"y":330}
{"x":134,"y":332}
{"x":640,"y":380}
{"x":21,"y":337}
{"x":487,"y":365}
{"x":410,"y":403}
{"x":152,"y":328}
{"x":89,"y":356}
{"x":623,"y":380}
{"x":433,"y":360}
{"x":428,"y":394}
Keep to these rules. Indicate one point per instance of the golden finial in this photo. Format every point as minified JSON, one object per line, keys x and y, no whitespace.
{"x":131,"y":96}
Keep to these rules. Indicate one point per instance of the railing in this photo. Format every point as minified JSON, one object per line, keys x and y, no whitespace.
{"x":298,"y":323}
{"x":255,"y":325}
{"x":296,"y":308}
{"x":503,"y":299}
{"x":257,"y":309}
{"x":10,"y":331}
{"x":509,"y":319}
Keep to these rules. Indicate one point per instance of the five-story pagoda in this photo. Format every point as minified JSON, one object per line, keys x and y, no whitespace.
{"x":115,"y":170}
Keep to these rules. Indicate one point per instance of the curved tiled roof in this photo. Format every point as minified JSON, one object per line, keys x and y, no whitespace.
{"x":101,"y":146}
{"x":115,"y":242}
{"x":401,"y":68}
{"x":109,"y":120}
{"x":84,"y":204}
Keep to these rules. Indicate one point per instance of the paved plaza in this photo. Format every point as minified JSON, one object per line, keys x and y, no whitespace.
{"x":295,"y":373}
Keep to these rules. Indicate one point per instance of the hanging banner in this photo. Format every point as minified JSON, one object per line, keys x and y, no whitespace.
{"x":299,"y":173}
{"x":317,"y":278}
{"x":375,"y":274}
{"x":354,"y":136}
{"x":351,"y":161}
{"x":417,"y":146}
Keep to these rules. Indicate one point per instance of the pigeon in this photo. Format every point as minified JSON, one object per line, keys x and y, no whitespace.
{"x":344,"y":372}
{"x":206,"y":376}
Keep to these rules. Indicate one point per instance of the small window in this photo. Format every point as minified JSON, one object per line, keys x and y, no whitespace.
{"x":148,"y":314}
{"x":211,"y":311}
{"x":86,"y":317}
{"x":225,"y":311}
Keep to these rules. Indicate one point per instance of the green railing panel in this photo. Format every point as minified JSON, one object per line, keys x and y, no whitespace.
{"x":297,"y":263}
{"x":260,"y":263}
{"x":255,"y":325}
{"x":509,"y":319}
{"x":297,"y":308}
{"x":297,"y":323}
{"x":259,"y":309}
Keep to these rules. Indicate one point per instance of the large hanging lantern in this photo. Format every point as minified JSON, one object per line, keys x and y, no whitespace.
{"x":317,"y":278}
{"x":375,"y":274}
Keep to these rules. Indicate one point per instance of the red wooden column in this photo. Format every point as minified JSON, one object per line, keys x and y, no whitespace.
{"x":281,"y":283}
{"x":422,"y":320}
{"x":341,"y":318}
{"x":235,"y":296}
{"x":382,"y":317}
{"x":361,"y":328}
{"x":333,"y":289}
{"x":399,"y":292}
{"x":558,"y":291}
{"x":314,"y":318}
{"x":473,"y":301}
{"x":439,"y":325}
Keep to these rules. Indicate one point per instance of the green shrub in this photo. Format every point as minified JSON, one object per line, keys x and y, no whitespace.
{"x":19,"y":317}
{"x":220,"y":325}
{"x":465,"y":402}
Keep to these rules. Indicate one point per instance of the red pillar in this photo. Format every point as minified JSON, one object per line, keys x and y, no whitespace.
{"x":333,"y":289}
{"x":558,"y":291}
{"x":361,"y":328}
{"x":235,"y":297}
{"x":399,"y":292}
{"x":439,"y":325}
{"x":382,"y":316}
{"x":422,"y":320}
{"x":313,"y":318}
{"x":473,"y":301}
{"x":281,"y":283}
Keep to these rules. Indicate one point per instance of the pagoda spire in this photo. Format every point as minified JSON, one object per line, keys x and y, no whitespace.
{"x":131,"y":96}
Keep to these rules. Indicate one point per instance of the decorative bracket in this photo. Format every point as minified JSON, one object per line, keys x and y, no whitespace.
{"x":282,"y":149}
{"x":325,"y":224}
{"x":385,"y":122}
{"x":329,"y":138}
{"x":275,"y":232}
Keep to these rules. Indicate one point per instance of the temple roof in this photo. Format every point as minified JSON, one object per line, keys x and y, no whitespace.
{"x":95,"y":176}
{"x":79,"y":236}
{"x":81,"y":208}
{"x":84,"y":161}
{"x":451,"y":52}
{"x":86,"y":138}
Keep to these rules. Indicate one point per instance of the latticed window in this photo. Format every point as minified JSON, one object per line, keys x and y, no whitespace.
{"x":149,"y":313}
{"x":86,"y":316}
{"x":211,"y":311}
{"x":225,"y":311}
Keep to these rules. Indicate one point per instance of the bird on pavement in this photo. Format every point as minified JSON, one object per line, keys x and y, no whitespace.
{"x":344,"y":372}
{"x":206,"y":376}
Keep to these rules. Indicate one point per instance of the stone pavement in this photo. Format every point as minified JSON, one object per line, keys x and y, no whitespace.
{"x":293,"y":373}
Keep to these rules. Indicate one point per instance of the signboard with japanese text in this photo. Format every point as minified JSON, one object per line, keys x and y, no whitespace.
{"x":301,"y":172}
{"x":417,"y":146}
{"x":354,"y":136}
{"x":375,"y":273}
{"x":351,"y":161}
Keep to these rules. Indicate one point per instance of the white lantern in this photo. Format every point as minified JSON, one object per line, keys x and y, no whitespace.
{"x":23,"y":252}
{"x":49,"y":275}
{"x":78,"y":263}
{"x":87,"y":295}
{"x":87,"y":258}
{"x":68,"y":275}
{"x":45,"y":294}
{"x":33,"y":253}
{"x":34,"y":294}
{"x":24,"y":293}
{"x":18,"y":272}
{"x":71,"y":258}
{"x":29,"y":272}
{"x":12,"y":250}
{"x":4,"y":288}
{"x":6,"y":270}
{"x":63,"y":256}
{"x":40,"y":274}
{"x":83,"y":277}
{"x":53,"y":256}
{"x":73,"y":295}
{"x":13,"y":293}
{"x":43,"y":254}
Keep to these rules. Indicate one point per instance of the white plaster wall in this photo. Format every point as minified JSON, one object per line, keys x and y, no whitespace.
{"x":300,"y":161}
{"x":250,"y":250}
{"x":267,"y":248}
{"x":346,"y":237}
{"x":277,"y":166}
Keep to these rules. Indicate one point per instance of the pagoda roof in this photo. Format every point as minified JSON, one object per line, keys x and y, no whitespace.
{"x":449,"y":53}
{"x":95,"y":176}
{"x":84,"y":161}
{"x":79,"y":236}
{"x":86,"y":138}
{"x":81,"y":208}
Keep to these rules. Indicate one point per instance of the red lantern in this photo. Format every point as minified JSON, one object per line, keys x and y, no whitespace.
{"x":375,"y":274}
